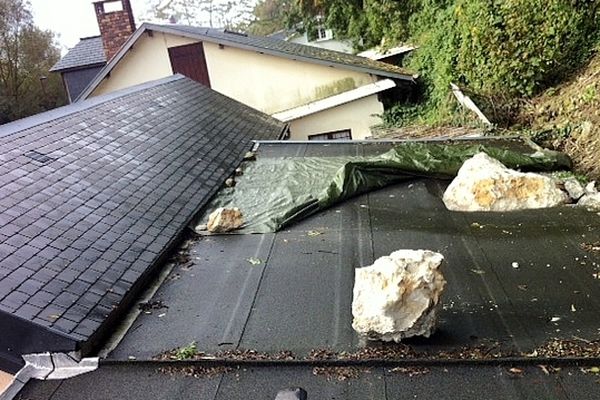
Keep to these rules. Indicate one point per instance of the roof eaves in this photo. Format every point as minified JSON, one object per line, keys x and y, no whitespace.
{"x":83,"y":66}
{"x":334,"y":101}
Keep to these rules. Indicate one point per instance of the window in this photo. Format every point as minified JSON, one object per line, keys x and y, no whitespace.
{"x":321,"y":33}
{"x":345,"y":134}
{"x":324,"y":33}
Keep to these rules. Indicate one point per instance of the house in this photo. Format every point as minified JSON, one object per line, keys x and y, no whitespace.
{"x":80,"y":65}
{"x":93,"y":196}
{"x":324,"y":38}
{"x":221,"y":327}
{"x":270,"y":75}
{"x":84,"y":61}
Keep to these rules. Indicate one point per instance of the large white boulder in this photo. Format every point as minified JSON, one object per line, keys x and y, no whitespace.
{"x":224,"y":220}
{"x":398,"y":296}
{"x":485,"y":184}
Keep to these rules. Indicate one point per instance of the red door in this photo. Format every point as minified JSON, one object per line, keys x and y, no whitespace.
{"x":189,"y":60}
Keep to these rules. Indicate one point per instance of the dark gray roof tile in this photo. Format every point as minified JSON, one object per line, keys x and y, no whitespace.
{"x":102,"y":226}
{"x":89,"y":51}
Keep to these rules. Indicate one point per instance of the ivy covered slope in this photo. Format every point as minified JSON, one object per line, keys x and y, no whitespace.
{"x":499,"y":51}
{"x":567,"y":117}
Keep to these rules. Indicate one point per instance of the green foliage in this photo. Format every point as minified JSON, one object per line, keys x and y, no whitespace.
{"x":365,"y":22}
{"x":269,"y":17}
{"x":214,"y":13}
{"x":498,"y":50}
{"x":186,"y":352}
{"x":401,"y":115}
{"x":26,"y":55}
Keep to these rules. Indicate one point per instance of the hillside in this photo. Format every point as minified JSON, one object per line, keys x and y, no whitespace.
{"x":567,"y":117}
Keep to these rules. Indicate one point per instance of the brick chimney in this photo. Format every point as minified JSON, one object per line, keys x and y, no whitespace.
{"x":116,"y":23}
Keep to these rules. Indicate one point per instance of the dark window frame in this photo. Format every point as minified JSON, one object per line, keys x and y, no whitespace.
{"x":342,"y":134}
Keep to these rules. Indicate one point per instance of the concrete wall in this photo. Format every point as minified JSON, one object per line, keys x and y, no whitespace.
{"x":267,"y":83}
{"x":272,"y":84}
{"x":356,"y":116}
{"x":147,"y":60}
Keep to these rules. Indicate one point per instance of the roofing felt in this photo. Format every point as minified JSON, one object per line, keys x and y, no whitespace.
{"x":89,"y":51}
{"x":298,"y":298}
{"x":94,"y":193}
{"x":468,"y":382}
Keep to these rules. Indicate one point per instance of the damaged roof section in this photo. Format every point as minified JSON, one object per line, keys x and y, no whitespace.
{"x":93,"y":194}
{"x":291,"y":291}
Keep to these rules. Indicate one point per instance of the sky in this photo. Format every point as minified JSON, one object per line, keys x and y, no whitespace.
{"x":72,"y":19}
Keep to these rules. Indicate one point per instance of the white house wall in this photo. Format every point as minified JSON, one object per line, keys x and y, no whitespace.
{"x":273,"y":84}
{"x":147,"y":60}
{"x":358,"y":116}
{"x":267,"y":83}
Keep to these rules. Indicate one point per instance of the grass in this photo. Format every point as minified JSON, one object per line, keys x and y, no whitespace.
{"x":186,"y":352}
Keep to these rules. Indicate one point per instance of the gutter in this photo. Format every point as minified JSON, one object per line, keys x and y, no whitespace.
{"x":48,"y":366}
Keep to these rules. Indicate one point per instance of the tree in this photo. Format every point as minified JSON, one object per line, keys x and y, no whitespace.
{"x":365,"y":22}
{"x":212,"y":13}
{"x":26,"y":55}
{"x":269,"y":16}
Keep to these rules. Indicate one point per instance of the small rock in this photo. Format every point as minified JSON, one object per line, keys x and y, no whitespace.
{"x":239,"y":171}
{"x":398,"y":296}
{"x":590,"y":201}
{"x":230,"y":182}
{"x":574,"y":188}
{"x":292,"y":394}
{"x":250,"y":156}
{"x":590,"y":188}
{"x":224,"y":220}
{"x":485,"y":184}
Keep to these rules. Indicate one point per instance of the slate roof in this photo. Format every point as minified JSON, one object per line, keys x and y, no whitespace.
{"x":299,"y":298}
{"x":93,"y":194}
{"x":262,"y":44}
{"x":89,"y":51}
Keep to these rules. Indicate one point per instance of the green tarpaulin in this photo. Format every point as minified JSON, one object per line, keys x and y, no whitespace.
{"x":275,"y":192}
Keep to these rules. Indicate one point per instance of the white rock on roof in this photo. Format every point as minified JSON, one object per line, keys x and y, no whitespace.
{"x":398,"y":296}
{"x":485,"y":184}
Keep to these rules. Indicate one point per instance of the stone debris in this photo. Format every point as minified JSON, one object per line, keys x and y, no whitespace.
{"x":250,"y":156}
{"x":590,"y":188}
{"x":574,"y":189}
{"x":590,"y":201}
{"x":224,"y":220}
{"x":239,"y":171}
{"x":230,"y":182}
{"x":398,"y":296}
{"x":485,"y":184}
{"x":591,"y":198}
